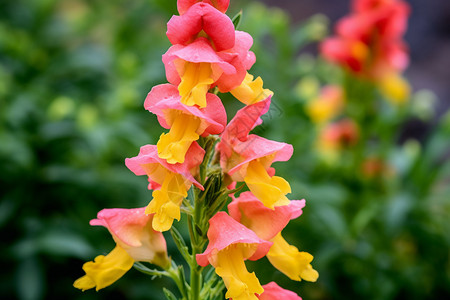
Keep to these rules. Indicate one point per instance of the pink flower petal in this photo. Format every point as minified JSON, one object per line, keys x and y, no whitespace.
{"x":166,"y":97}
{"x":124,"y":224}
{"x":242,"y":59}
{"x":131,"y":230}
{"x":201,"y":16}
{"x":225,"y":231}
{"x":197,"y":52}
{"x":184,"y":5}
{"x":265,"y":222}
{"x":256,"y":147}
{"x":274,"y":291}
{"x":245,"y":120}
{"x":148,"y":154}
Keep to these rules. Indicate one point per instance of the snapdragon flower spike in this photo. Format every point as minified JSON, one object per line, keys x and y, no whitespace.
{"x":135,"y":241}
{"x":230,"y":243}
{"x":197,"y":67}
{"x":200,"y":19}
{"x":368,"y":41}
{"x":186,"y":123}
{"x":248,"y":157}
{"x":274,"y":291}
{"x":268,"y":224}
{"x":169,"y":182}
{"x":184,"y":5}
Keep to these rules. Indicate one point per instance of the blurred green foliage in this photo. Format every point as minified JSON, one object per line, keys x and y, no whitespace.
{"x":73,"y":77}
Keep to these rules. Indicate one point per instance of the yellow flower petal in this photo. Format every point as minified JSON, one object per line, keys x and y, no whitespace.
{"x":326,"y":106}
{"x":291,"y":262}
{"x":105,"y":270}
{"x":251,"y":91}
{"x":195,"y":83}
{"x":395,"y":88}
{"x":270,"y":191}
{"x":174,"y":145}
{"x":167,"y":201}
{"x":241,"y":285}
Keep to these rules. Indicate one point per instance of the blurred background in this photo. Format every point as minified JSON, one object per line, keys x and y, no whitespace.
{"x":73,"y":78}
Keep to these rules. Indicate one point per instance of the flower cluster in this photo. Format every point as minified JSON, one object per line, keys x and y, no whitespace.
{"x":369,"y":44}
{"x":201,"y":152}
{"x":368,"y":47}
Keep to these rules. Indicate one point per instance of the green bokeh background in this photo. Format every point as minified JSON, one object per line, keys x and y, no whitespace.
{"x":73,"y":78}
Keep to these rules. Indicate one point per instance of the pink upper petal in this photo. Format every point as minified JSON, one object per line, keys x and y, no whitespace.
{"x":241,"y":58}
{"x":225,"y":231}
{"x":274,"y":291}
{"x":239,"y":127}
{"x":125,"y":224}
{"x":265,"y":222}
{"x":184,"y":5}
{"x":235,"y":140}
{"x":131,"y":229}
{"x":148,"y":154}
{"x":197,"y":52}
{"x":201,"y":16}
{"x":245,"y":120}
{"x":253,"y":148}
{"x":166,"y":97}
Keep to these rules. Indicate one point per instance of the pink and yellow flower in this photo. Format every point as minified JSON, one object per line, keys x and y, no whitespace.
{"x":186,"y":123}
{"x":336,"y":137}
{"x":169,"y":182}
{"x":368,"y":41}
{"x":230,"y":244}
{"x":327,"y":105}
{"x":135,"y":241}
{"x":268,"y":224}
{"x":197,"y":67}
{"x":249,"y":158}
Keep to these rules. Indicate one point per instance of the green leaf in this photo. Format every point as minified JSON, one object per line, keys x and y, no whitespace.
{"x":169,"y":295}
{"x":179,"y":242}
{"x":30,"y":283}
{"x":155,"y":273}
{"x":237,"y":20}
{"x":183,"y":281}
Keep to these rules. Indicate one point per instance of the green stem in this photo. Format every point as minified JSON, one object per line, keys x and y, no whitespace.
{"x":196,"y":243}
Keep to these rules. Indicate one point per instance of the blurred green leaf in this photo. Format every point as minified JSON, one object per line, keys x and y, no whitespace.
{"x":65,"y":244}
{"x":30,"y":280}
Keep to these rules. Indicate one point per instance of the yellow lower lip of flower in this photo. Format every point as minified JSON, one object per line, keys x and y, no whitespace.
{"x":166,"y":202}
{"x":271,"y":191}
{"x":105,"y":270}
{"x":395,"y":88}
{"x":195,"y":83}
{"x":174,"y":145}
{"x":240,"y":283}
{"x":251,"y":91}
{"x":291,"y":262}
{"x":320,"y":111}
